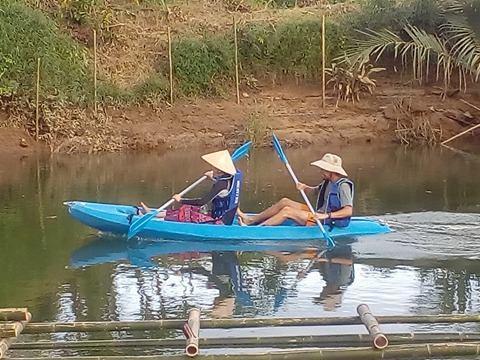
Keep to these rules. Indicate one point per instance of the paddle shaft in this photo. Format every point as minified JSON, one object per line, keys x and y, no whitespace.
{"x":184,"y":191}
{"x":137,"y":226}
{"x":310,"y":207}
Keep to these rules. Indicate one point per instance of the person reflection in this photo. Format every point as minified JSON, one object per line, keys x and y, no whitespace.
{"x":338,"y":272}
{"x":227,"y":277}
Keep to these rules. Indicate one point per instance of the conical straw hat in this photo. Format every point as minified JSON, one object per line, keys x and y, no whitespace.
{"x":221,"y":160}
{"x":332,"y":163}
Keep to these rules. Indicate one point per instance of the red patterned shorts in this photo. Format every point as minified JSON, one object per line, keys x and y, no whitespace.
{"x":190,"y":214}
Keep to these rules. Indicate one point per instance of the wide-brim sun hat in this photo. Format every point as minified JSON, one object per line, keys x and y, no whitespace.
{"x":332,"y":163}
{"x":221,"y":160}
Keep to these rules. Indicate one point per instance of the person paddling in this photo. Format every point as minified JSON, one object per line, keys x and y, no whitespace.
{"x":222,"y":199}
{"x":334,"y":200}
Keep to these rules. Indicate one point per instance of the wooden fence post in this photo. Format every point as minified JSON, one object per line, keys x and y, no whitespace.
{"x":170,"y":64}
{"x":236,"y":60}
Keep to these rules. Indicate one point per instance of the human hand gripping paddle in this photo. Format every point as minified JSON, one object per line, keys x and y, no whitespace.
{"x":140,"y":223}
{"x":283,"y":158}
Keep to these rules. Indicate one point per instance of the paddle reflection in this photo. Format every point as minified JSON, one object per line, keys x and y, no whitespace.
{"x":224,"y":278}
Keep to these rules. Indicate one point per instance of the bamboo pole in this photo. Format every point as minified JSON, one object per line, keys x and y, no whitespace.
{"x":95,"y":71}
{"x":13,"y":314}
{"x":170,"y":63}
{"x":12,"y":329}
{"x":231,"y":342}
{"x":191,"y":329}
{"x":461,"y":134}
{"x":466,"y":131}
{"x":236,"y":59}
{"x":35,"y":328}
{"x":37,"y":102}
{"x":393,"y":352}
{"x":323,"y":61}
{"x":7,"y":342}
{"x":471,"y":105}
{"x":379,"y":340}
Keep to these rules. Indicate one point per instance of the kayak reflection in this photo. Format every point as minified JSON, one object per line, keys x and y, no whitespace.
{"x":254,"y":278}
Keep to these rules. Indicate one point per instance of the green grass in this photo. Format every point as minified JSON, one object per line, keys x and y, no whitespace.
{"x":201,"y":65}
{"x":27,"y":34}
{"x":155,"y":88}
{"x":291,"y":47}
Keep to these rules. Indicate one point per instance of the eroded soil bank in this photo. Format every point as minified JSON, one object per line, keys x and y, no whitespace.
{"x":293,"y":111}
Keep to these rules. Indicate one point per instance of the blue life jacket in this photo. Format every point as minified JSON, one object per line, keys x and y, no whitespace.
{"x":333,"y":203}
{"x":225,"y":207}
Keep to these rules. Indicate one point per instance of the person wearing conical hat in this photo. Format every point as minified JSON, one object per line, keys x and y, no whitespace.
{"x":222,"y":199}
{"x":334,"y":200}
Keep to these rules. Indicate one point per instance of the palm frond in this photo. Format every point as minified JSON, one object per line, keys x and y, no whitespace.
{"x":371,"y":47}
{"x":463,"y":40}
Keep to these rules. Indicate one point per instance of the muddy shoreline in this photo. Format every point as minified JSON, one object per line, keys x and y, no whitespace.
{"x":294,"y":112}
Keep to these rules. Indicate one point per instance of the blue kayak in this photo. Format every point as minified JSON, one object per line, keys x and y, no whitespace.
{"x":116,"y":219}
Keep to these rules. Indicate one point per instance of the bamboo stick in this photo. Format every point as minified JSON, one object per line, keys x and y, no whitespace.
{"x":95,"y":71}
{"x":6,"y":343}
{"x":323,"y":61}
{"x":4,"y":346}
{"x":10,"y":329}
{"x":191,"y":329}
{"x":275,"y":341}
{"x":469,"y":129}
{"x":393,"y":352}
{"x":461,"y":134}
{"x":236,"y":59}
{"x":37,"y":102}
{"x":471,"y":105}
{"x":379,"y":340}
{"x":170,"y":63}
{"x":13,"y":314}
{"x":35,"y":328}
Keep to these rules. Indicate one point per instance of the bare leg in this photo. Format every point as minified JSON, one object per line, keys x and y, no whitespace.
{"x":297,"y":215}
{"x":145,"y":210}
{"x":270,"y":212}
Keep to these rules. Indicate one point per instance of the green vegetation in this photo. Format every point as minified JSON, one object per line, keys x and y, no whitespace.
{"x":155,"y":88}
{"x":290,"y":47}
{"x":204,"y":64}
{"x":452,"y":49}
{"x":28,"y":34}
{"x":257,"y":127}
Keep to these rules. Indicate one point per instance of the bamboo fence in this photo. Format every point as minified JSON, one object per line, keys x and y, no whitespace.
{"x":356,"y":346}
{"x":243,"y":342}
{"x":393,"y":352}
{"x":96,"y":326}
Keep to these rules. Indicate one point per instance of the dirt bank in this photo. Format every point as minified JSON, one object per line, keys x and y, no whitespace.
{"x":293,"y":111}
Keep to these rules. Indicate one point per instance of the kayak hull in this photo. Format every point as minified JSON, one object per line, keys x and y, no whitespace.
{"x":116,"y":219}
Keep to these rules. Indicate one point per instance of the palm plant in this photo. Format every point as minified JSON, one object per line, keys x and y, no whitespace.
{"x":454,"y":49}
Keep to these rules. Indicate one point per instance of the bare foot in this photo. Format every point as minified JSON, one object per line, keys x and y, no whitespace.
{"x":240,"y":221}
{"x":243,"y":218}
{"x":144,"y":208}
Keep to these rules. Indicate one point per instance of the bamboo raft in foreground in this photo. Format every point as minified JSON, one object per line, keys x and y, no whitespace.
{"x":358,"y":346}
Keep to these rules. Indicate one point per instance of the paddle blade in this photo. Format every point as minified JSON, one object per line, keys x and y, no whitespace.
{"x":140,"y":223}
{"x":278,"y":149}
{"x":241,"y":151}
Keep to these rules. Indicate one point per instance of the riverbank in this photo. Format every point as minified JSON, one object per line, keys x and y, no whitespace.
{"x":293,"y":111}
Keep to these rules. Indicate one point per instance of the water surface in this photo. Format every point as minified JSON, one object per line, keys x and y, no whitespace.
{"x":64,"y":271}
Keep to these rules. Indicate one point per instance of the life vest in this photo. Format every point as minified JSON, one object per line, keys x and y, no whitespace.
{"x":333,"y":199}
{"x":228,"y":204}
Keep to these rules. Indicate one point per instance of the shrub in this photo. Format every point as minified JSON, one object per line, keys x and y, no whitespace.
{"x":28,"y":34}
{"x":291,"y":47}
{"x":202,"y":64}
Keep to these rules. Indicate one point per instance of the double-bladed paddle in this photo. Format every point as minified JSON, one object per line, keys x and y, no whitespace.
{"x":140,"y":223}
{"x":283,"y":158}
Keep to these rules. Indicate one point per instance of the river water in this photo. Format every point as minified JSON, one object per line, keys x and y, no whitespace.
{"x":64,"y":271}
